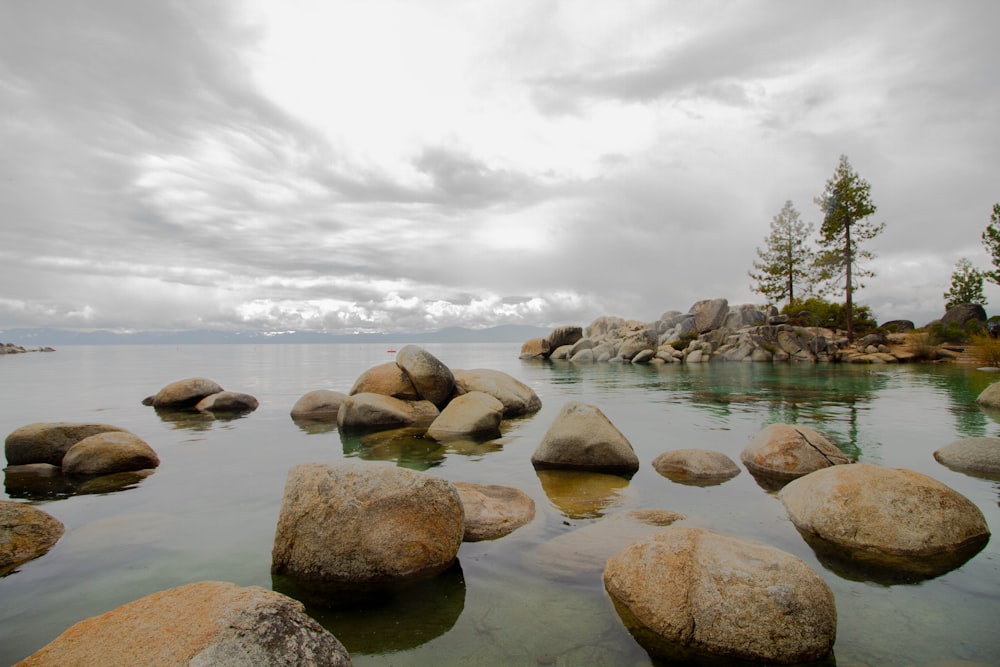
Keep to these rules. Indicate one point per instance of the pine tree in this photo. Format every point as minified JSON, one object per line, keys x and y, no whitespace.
{"x":846,"y":202}
{"x":785,"y":263}
{"x":991,"y":240}
{"x":966,"y":285}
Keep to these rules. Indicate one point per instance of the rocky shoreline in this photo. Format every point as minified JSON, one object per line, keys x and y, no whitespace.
{"x":11,"y":348}
{"x":712,"y":330}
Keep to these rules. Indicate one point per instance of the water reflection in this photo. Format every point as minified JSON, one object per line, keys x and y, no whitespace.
{"x":41,"y":481}
{"x":409,"y":447}
{"x":196,"y":420}
{"x":398,"y":622}
{"x":585,"y":495}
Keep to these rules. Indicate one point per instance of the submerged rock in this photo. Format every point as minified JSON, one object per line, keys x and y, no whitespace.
{"x":227,"y":401}
{"x":205,"y":623}
{"x":690,"y":592}
{"x":975,"y":456}
{"x":582,"y":438}
{"x":493,"y":511}
{"x":696,"y":466}
{"x":26,"y":532}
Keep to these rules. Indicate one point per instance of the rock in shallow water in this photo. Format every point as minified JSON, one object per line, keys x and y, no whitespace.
{"x":26,"y":532}
{"x":582,"y":438}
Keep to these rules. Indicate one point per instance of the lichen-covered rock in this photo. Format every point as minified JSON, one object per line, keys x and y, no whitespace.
{"x":689,"y":592}
{"x":895,"y":517}
{"x":183,"y":393}
{"x":492,"y":511}
{"x":358,"y":525}
{"x":517,"y":397}
{"x":318,"y":404}
{"x":787,"y":451}
{"x":433,"y":380}
{"x":48,"y":442}
{"x":376,"y":411}
{"x":474,"y":413}
{"x":201,"y":624}
{"x":227,"y":401}
{"x":388,"y":379}
{"x":582,"y":438}
{"x":695,"y":466}
{"x":976,"y":456}
{"x":26,"y":532}
{"x":108,"y":453}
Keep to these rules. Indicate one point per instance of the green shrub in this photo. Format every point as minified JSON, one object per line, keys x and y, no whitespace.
{"x":817,"y":312}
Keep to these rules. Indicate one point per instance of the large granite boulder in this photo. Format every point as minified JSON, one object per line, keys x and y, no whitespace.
{"x":975,"y":456}
{"x":201,"y":624}
{"x":638,"y":342}
{"x":896,"y":518}
{"x":109,"y":453}
{"x":709,"y":314}
{"x":359,"y":526}
{"x":567,"y":335}
{"x":474,"y":413}
{"x":26,"y":532}
{"x":535,"y":348}
{"x":787,"y":451}
{"x":388,"y":379}
{"x":685,"y":592}
{"x":183,"y":393}
{"x":964,"y":313}
{"x":377,"y":411}
{"x":227,"y":401}
{"x":492,"y":511}
{"x":433,"y":380}
{"x":517,"y":397}
{"x":582,"y":438}
{"x":695,"y":466}
{"x":48,"y":442}
{"x":318,"y":405}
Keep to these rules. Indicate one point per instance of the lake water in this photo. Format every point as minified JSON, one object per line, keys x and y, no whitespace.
{"x":209,"y":511}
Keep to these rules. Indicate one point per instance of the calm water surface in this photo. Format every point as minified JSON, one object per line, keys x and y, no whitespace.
{"x":210,"y":509}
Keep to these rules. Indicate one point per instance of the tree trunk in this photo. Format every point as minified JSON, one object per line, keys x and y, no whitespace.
{"x":849,"y":259}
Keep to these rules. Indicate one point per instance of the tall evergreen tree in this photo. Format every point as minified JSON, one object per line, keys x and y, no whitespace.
{"x":845,"y":203}
{"x":966,"y":285}
{"x":991,"y":240}
{"x":786,"y":262}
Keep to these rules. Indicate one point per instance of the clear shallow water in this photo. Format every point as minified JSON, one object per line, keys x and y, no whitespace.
{"x":210,"y":509}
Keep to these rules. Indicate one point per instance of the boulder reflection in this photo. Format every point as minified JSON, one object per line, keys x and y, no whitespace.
{"x":585,"y":495}
{"x":42,"y":481}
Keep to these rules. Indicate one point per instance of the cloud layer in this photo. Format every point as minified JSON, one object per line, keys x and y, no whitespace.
{"x":401,"y":166}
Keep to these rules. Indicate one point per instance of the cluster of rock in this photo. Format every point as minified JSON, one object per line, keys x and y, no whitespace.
{"x":11,"y":348}
{"x":711,"y":330}
{"x":417,"y":389}
{"x":203,"y":395}
{"x":76,"y":449}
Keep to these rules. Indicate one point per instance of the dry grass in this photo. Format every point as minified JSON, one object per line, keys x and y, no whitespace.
{"x":985,"y":350}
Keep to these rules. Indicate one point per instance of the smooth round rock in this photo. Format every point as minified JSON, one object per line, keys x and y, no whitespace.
{"x":787,"y":451}
{"x":48,"y":442}
{"x":690,"y":592}
{"x":388,"y":379}
{"x":493,"y":511}
{"x":26,"y":532}
{"x":183,"y":393}
{"x":227,"y":401}
{"x":108,"y":453}
{"x":972,"y":455}
{"x":474,"y":413}
{"x":695,"y":465}
{"x":517,"y":397}
{"x":318,"y":404}
{"x":582,"y":438}
{"x":433,"y":380}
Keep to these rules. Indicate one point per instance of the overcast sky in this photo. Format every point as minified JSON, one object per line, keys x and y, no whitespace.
{"x":406,"y":166}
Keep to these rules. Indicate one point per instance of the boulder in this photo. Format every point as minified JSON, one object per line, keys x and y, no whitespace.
{"x":357,"y":526}
{"x":26,"y":532}
{"x":535,"y":348}
{"x":492,"y":511}
{"x":637,"y":342}
{"x":517,"y":397}
{"x":48,"y":442}
{"x":695,"y":466}
{"x":318,"y":404}
{"x":582,"y":438}
{"x":474,"y":413}
{"x":183,"y":393}
{"x":227,"y":401}
{"x":709,"y":314}
{"x":964,"y":313}
{"x":976,"y":456}
{"x":566,"y":335}
{"x":988,"y":398}
{"x":884,"y":516}
{"x":787,"y":451}
{"x":376,"y":411}
{"x":388,"y":379}
{"x":200,"y":624}
{"x":108,"y":453}
{"x":899,"y":326}
{"x":604,"y":326}
{"x":431,"y":378}
{"x":685,"y":592}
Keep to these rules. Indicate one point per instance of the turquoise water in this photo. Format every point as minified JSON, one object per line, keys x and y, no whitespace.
{"x":210,"y":509}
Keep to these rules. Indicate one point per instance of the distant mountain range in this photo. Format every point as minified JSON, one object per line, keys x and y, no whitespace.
{"x":508,"y":333}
